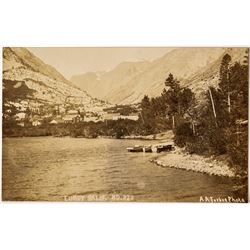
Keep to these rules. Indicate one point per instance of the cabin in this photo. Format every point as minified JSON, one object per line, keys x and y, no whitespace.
{"x":77,"y":119}
{"x":53,"y":122}
{"x":67,"y":118}
{"x":21,"y":124}
{"x":35,"y":120}
{"x":62,"y":110}
{"x":36,"y":123}
{"x":108,"y":116}
{"x":20,"y":116}
{"x":70,"y":118}
{"x":133,"y":117}
{"x":91,"y":119}
{"x":116,"y":116}
{"x":59,"y":120}
{"x":73,"y":112}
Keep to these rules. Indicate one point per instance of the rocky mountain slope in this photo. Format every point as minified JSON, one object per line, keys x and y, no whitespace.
{"x":209,"y":76}
{"x":25,"y":76}
{"x":101,"y":84}
{"x":192,"y":66}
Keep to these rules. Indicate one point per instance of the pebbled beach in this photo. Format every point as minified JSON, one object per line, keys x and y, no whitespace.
{"x":181,"y":160}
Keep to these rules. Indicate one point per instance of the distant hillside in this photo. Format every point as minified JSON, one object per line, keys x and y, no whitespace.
{"x":23,"y":57}
{"x":23,"y":71}
{"x":101,"y":84}
{"x":209,"y":76}
{"x":129,"y":82}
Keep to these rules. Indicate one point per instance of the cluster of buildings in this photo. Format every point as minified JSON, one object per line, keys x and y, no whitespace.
{"x":72,"y":116}
{"x":37,"y":116}
{"x":117,"y":116}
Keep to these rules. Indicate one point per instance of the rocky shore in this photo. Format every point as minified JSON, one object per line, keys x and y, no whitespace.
{"x":168,"y":135}
{"x":181,"y":160}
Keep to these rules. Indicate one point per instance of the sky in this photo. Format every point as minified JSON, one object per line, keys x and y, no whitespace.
{"x":71,"y":61}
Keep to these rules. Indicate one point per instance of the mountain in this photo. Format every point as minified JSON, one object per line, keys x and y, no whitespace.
{"x":23,"y":57}
{"x":100,"y":84}
{"x":27,"y":77}
{"x":209,"y":76}
{"x":139,"y":78}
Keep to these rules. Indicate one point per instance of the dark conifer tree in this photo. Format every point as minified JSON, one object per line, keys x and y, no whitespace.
{"x":224,"y":83}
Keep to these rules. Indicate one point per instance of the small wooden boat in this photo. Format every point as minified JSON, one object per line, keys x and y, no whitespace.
{"x":157,"y":148}
{"x":135,"y":149}
{"x":162,"y":148}
{"x":58,"y":135}
{"x":147,"y":149}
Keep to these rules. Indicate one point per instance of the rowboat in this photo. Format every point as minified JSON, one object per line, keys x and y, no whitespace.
{"x":149,"y":148}
{"x":135,"y":149}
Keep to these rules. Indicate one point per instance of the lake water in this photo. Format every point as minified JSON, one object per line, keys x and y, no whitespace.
{"x":55,"y":169}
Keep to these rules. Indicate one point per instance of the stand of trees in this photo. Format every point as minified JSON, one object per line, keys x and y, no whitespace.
{"x":220,"y":125}
{"x":174,"y":109}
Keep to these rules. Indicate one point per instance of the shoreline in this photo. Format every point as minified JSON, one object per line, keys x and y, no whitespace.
{"x":142,"y":138}
{"x":196,"y":163}
{"x":151,"y":137}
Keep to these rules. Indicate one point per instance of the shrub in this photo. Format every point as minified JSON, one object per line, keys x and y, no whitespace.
{"x":183,"y":134}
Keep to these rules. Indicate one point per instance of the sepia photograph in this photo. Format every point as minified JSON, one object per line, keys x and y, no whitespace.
{"x":125,"y":124}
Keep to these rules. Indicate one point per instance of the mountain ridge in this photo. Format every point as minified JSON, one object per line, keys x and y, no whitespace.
{"x":118,"y":76}
{"x":22,"y":67}
{"x":183,"y":63}
{"x":31,"y":61}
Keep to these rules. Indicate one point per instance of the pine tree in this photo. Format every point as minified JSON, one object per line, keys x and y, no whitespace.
{"x":238,"y":76}
{"x":178,"y":99}
{"x":172,"y":97}
{"x":224,"y":83}
{"x":246,"y":58}
{"x":147,"y":115}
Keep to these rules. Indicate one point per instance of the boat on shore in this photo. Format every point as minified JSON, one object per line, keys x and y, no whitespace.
{"x":152,"y":148}
{"x":58,"y":135}
{"x":162,"y":147}
{"x":137,"y":148}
